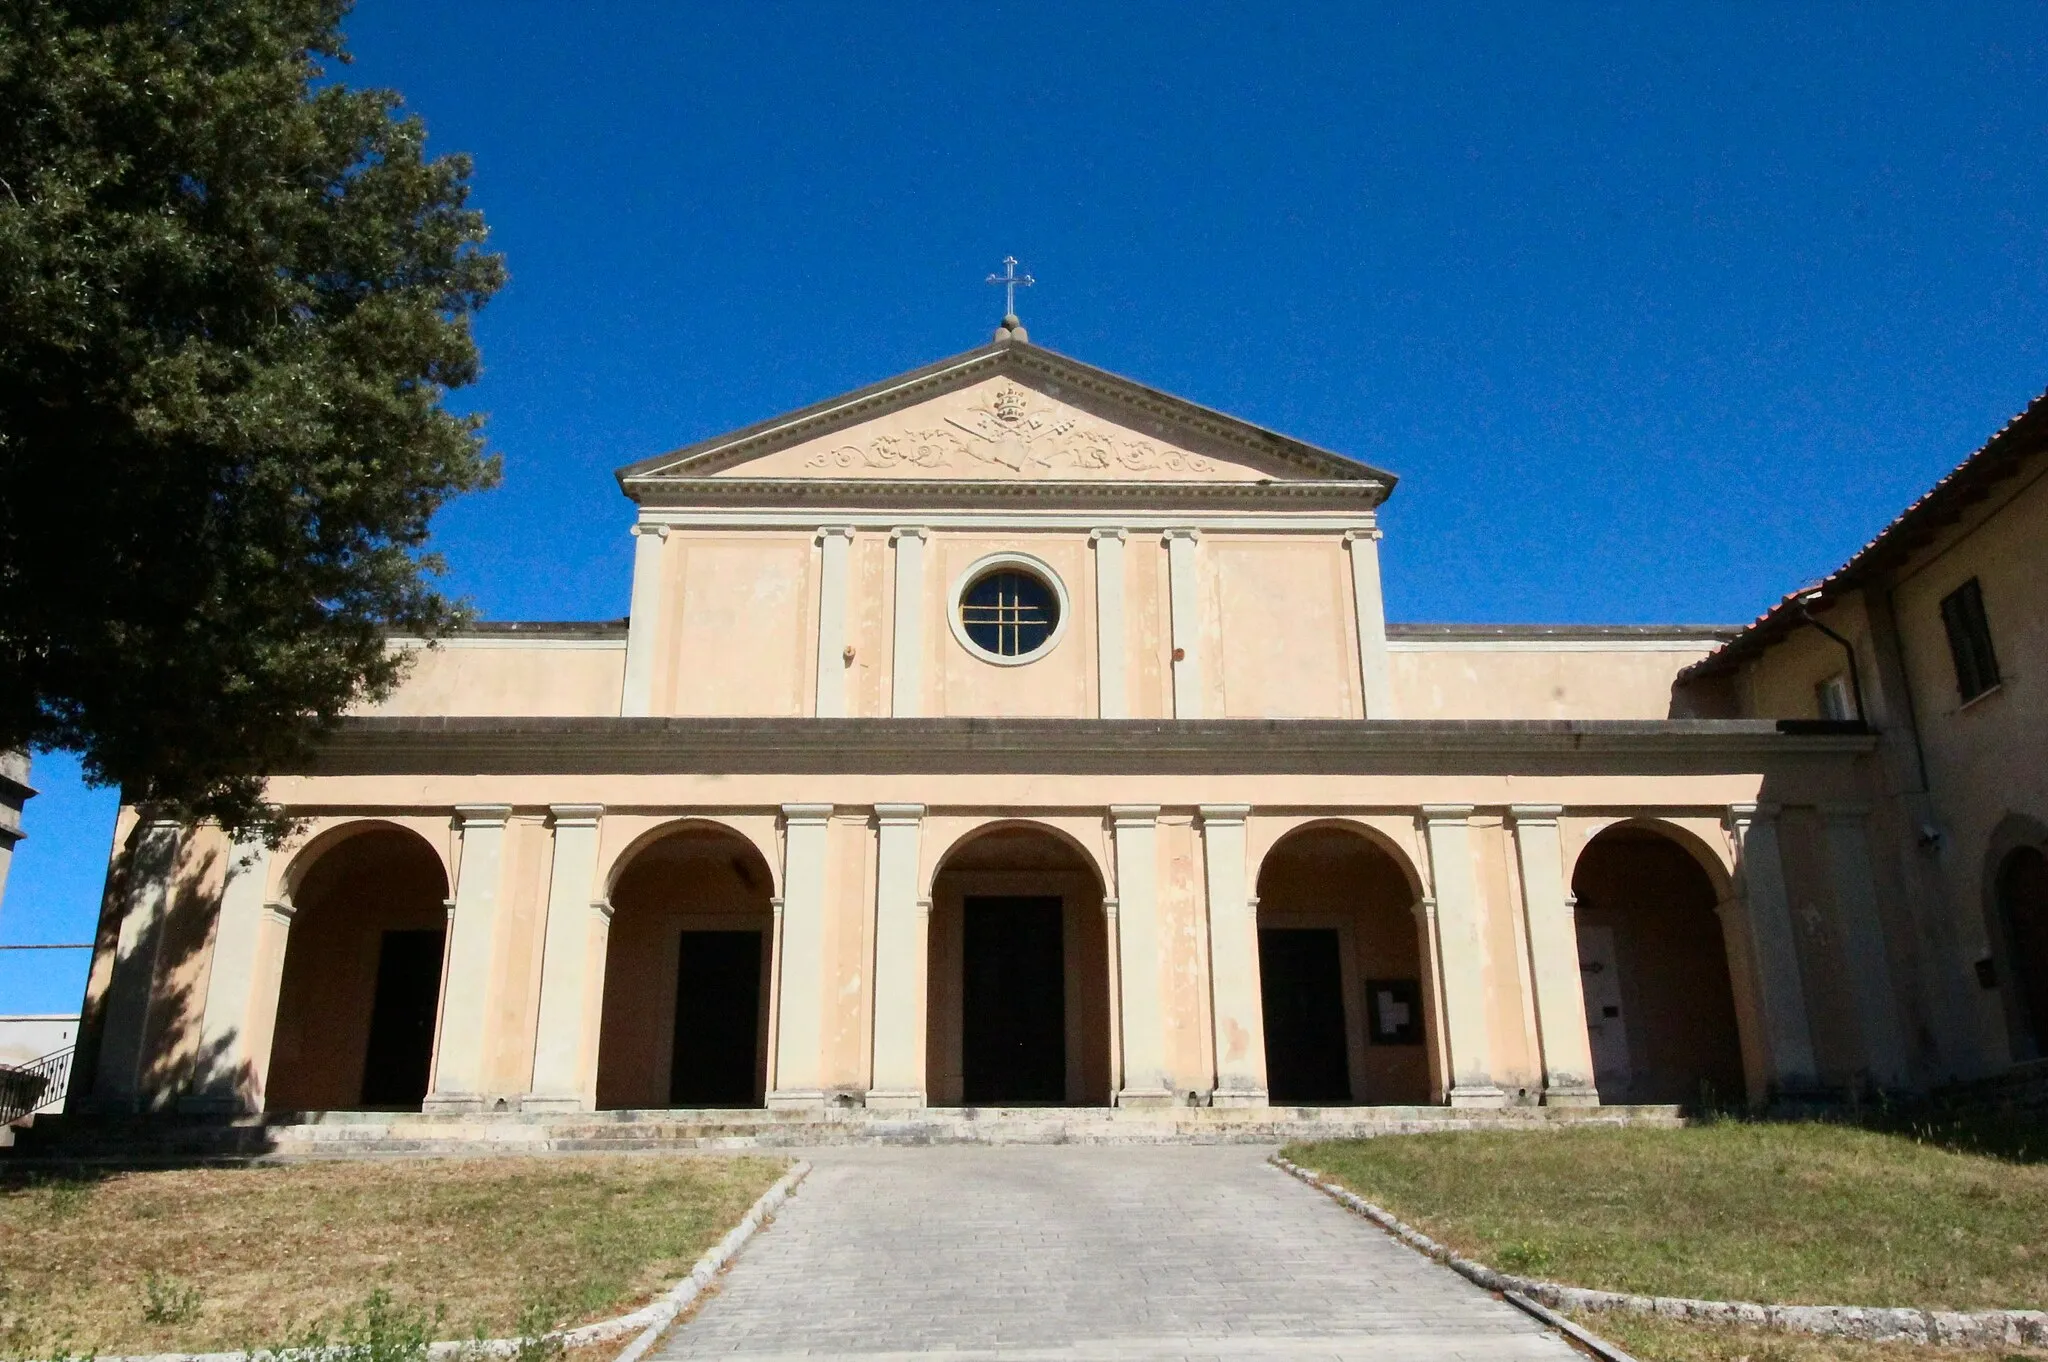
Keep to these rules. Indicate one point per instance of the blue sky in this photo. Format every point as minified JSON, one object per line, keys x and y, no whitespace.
{"x":1658,"y":310}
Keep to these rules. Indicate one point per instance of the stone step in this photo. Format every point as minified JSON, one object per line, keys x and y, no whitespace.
{"x":175,"y":1138}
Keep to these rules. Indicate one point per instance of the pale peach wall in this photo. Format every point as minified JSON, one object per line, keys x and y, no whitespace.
{"x":1282,"y":630}
{"x":739,"y":625}
{"x":465,"y":676}
{"x":1057,"y":684}
{"x":1433,"y":680}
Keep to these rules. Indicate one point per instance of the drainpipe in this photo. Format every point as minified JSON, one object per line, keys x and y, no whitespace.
{"x":1848,"y":650}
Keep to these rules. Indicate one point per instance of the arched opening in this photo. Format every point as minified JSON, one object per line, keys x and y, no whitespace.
{"x":1018,"y":1001}
{"x":361,"y":991}
{"x":687,"y":959}
{"x":1341,"y":973}
{"x":2023,"y":906}
{"x":1660,"y":1011}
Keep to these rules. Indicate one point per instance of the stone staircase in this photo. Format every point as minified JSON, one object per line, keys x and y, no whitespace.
{"x":166,"y":1138}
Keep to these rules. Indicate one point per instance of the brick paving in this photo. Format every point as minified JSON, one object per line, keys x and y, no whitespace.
{"x":1087,"y":1253}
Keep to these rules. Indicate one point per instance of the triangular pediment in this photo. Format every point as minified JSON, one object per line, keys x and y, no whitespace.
{"x":1007,"y":413}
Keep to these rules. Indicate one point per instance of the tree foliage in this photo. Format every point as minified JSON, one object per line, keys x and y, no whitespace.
{"x":232,"y":297}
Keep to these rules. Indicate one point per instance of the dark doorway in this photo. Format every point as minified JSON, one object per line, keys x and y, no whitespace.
{"x":401,"y":1047}
{"x":2023,"y":893}
{"x":1302,"y":981}
{"x":1013,"y":1002}
{"x":718,"y":1014}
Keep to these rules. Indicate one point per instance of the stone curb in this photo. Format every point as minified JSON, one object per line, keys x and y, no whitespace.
{"x":649,"y":1321}
{"x":1877,"y":1324}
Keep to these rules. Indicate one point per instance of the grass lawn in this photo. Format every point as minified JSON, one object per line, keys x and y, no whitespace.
{"x":1791,"y":1214}
{"x":1660,"y":1340}
{"x":218,"y":1258}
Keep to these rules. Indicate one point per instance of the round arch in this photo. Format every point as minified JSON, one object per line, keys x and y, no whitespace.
{"x":660,"y":832}
{"x":1344,"y":971}
{"x":1714,"y":857}
{"x":308,"y":855}
{"x":688,"y":959}
{"x":359,"y":997}
{"x":2014,"y":886}
{"x":1017,"y":969}
{"x":1000,"y":826}
{"x":1655,"y":962}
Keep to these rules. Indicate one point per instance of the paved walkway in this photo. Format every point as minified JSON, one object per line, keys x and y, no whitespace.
{"x":1088,"y":1253}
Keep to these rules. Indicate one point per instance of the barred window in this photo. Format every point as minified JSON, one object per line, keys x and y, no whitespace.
{"x":1009,"y":612}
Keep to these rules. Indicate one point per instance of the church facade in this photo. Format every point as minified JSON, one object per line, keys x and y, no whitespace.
{"x":1009,"y":733}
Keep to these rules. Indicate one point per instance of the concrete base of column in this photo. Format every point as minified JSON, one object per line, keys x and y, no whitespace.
{"x":534,"y":1101}
{"x":213,"y":1104}
{"x":795,"y":1099}
{"x":1145,"y":1097}
{"x":454,"y":1103}
{"x":1571,"y":1095}
{"x":1475,"y":1095}
{"x":896,"y":1099}
{"x":1240,"y":1097}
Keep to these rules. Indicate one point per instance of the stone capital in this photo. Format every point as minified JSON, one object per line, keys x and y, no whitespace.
{"x":576,"y":815}
{"x":602,"y":908}
{"x":1750,"y":813}
{"x":908,"y":532}
{"x":482,"y":815}
{"x":795,"y":815}
{"x":648,"y":527}
{"x":1097,"y":536}
{"x":1134,"y":815}
{"x":1535,"y":813}
{"x":1446,"y":813}
{"x":1191,"y":535}
{"x":281,"y":912}
{"x":1223,"y":814}
{"x":1369,"y":532}
{"x":899,"y":815}
{"x":834,"y":532}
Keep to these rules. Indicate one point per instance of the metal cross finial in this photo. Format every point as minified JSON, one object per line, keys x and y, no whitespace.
{"x":1010,"y":279}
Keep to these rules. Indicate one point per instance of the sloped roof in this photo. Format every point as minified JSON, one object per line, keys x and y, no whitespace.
{"x":1005,"y":355}
{"x":1968,"y":483}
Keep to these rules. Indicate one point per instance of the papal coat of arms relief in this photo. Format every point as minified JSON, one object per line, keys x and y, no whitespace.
{"x":1019,"y":433}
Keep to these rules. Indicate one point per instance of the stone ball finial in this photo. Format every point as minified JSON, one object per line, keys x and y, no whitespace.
{"x":1011,"y":329}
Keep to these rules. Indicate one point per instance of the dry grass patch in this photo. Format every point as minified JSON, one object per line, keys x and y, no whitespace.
{"x":219,"y":1258}
{"x":1789,"y":1214}
{"x":1651,"y":1339}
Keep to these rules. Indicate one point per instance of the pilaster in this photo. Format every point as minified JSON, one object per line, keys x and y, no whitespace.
{"x":472,"y":930}
{"x":836,"y":543}
{"x":1368,"y":605}
{"x":1112,"y":644}
{"x":568,"y":970}
{"x":131,"y":992}
{"x":1145,"y":1080}
{"x":906,"y":662}
{"x":1461,"y":956}
{"x":1869,"y":968}
{"x":1185,"y":602}
{"x":1774,"y":948}
{"x":901,"y":943}
{"x":1234,"y":960}
{"x":800,"y":993}
{"x":224,"y":1078}
{"x":644,"y":622}
{"x":1568,"y":1079}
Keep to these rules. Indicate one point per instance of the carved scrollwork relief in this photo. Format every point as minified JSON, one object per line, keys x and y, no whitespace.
{"x":1020,"y":432}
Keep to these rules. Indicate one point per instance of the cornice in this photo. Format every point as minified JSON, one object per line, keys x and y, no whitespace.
{"x":650,"y":478}
{"x":400,"y":745}
{"x":928,"y":494}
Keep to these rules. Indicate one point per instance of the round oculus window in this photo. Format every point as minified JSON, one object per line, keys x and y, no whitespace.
{"x":1009,"y":612}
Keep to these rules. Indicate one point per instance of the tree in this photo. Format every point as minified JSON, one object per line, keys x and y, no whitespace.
{"x":232,"y":297}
